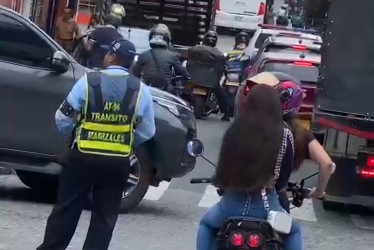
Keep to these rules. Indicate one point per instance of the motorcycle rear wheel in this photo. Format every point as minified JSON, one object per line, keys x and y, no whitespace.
{"x":199,"y":105}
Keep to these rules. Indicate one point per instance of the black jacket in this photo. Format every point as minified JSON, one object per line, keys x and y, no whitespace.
{"x":206,"y":65}
{"x":159,"y":77}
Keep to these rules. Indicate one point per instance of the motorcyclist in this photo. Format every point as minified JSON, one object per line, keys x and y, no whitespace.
{"x":236,"y":59}
{"x":103,"y":36}
{"x":306,"y":145}
{"x":206,"y":65}
{"x":282,"y":16}
{"x":155,"y":66}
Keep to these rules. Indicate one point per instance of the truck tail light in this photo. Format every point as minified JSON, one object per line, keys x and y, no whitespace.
{"x":262,"y":9}
{"x":218,"y":5}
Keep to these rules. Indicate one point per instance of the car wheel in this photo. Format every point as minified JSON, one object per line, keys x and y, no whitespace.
{"x":136,"y":186}
{"x":199,"y":103}
{"x":43,"y":182}
{"x":333,"y":206}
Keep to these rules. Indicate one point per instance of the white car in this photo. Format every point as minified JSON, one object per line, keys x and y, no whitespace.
{"x":240,"y":14}
{"x":264,"y":31}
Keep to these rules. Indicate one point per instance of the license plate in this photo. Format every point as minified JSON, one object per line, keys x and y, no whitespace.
{"x":305,"y":124}
{"x":199,"y":91}
{"x":238,"y":18}
{"x":228,"y":83}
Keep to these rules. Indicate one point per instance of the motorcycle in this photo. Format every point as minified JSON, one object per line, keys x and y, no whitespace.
{"x":203,"y":100}
{"x":246,"y":233}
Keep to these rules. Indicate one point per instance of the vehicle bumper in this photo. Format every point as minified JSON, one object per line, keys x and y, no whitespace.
{"x":236,"y":21}
{"x":346,"y":186}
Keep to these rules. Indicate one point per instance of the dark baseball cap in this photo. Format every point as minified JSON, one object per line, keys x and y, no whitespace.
{"x":121,"y":48}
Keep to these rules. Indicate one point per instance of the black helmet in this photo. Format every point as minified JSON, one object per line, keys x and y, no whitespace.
{"x":242,"y":37}
{"x":113,"y":19}
{"x":210,"y":38}
{"x":281,"y":21}
{"x":159,"y":36}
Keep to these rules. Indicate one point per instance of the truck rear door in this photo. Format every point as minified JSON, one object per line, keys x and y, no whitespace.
{"x":245,"y":7}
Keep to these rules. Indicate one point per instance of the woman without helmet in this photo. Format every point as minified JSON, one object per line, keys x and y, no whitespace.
{"x":247,"y":160}
{"x":306,"y":145}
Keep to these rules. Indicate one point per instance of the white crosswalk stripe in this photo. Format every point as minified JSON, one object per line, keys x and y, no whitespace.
{"x":210,"y":197}
{"x":155,"y":193}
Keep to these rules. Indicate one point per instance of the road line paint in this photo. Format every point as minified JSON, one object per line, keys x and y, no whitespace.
{"x":362,"y":222}
{"x":305,"y":212}
{"x":155,"y":193}
{"x":210,"y":197}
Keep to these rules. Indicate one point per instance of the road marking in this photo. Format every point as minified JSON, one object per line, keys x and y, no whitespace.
{"x":155,"y":193}
{"x":305,"y":212}
{"x":362,"y":222}
{"x":210,"y":197}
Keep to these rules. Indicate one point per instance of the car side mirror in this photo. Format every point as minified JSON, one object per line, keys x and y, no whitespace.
{"x":195,"y":148}
{"x":60,"y":62}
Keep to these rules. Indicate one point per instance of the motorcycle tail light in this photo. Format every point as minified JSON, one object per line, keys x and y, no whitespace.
{"x":236,"y":239}
{"x":254,"y":240}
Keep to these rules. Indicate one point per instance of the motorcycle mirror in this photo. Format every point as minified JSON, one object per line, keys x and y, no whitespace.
{"x":195,"y":148}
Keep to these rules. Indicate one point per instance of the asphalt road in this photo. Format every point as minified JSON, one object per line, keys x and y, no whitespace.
{"x":169,"y":215}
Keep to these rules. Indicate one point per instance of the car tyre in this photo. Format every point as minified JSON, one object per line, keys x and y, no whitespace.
{"x":37,"y":181}
{"x":134,"y":193}
{"x":199,"y":104}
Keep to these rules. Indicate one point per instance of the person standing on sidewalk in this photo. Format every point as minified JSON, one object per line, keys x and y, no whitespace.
{"x":115,"y":111}
{"x":67,"y":30}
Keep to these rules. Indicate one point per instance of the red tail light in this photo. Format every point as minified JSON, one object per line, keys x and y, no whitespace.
{"x":367,"y":173}
{"x":310,"y":95}
{"x":261,"y":10}
{"x":370,"y":161}
{"x":299,"y":47}
{"x":218,"y":5}
{"x":237,"y":239}
{"x":254,"y":240}
{"x":303,"y":64}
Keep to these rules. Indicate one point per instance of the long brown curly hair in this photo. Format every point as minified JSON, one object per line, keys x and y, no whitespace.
{"x":251,"y":145}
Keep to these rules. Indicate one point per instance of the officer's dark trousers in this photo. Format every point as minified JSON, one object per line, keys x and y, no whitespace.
{"x":105,"y":176}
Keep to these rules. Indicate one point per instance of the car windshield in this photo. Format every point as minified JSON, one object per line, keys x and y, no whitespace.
{"x":260,"y":39}
{"x":303,"y":73}
{"x":139,"y":37}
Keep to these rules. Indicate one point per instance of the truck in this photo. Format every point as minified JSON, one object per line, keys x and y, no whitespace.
{"x":344,"y":103}
{"x":187,"y":20}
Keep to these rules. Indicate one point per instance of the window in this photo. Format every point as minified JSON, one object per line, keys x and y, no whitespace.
{"x":304,"y":74}
{"x":20,"y":44}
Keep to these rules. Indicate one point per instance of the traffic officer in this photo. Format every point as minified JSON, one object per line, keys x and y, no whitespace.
{"x":107,"y":112}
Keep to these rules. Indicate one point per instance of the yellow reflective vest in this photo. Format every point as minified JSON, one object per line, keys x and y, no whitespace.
{"x":107,"y":127}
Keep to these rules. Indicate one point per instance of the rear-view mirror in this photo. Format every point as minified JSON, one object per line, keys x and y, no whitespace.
{"x":195,"y":148}
{"x":60,"y":62}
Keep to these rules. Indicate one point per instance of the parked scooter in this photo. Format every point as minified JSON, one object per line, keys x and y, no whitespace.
{"x":246,"y":233}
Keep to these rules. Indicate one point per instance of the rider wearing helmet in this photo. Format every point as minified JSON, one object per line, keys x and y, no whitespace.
{"x":155,"y":66}
{"x":306,"y":146}
{"x":241,"y":41}
{"x":201,"y":59}
{"x":236,"y":60}
{"x":104,"y":36}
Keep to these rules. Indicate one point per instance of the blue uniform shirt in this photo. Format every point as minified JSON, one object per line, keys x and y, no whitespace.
{"x":145,"y":130}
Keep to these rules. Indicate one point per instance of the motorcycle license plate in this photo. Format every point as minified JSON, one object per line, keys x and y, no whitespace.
{"x":228,"y":83}
{"x":198,"y":91}
{"x":305,"y":124}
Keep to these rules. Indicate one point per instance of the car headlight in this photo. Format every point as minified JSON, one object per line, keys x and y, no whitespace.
{"x":233,"y":77}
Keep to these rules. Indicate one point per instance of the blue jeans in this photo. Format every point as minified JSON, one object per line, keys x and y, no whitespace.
{"x":241,"y":204}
